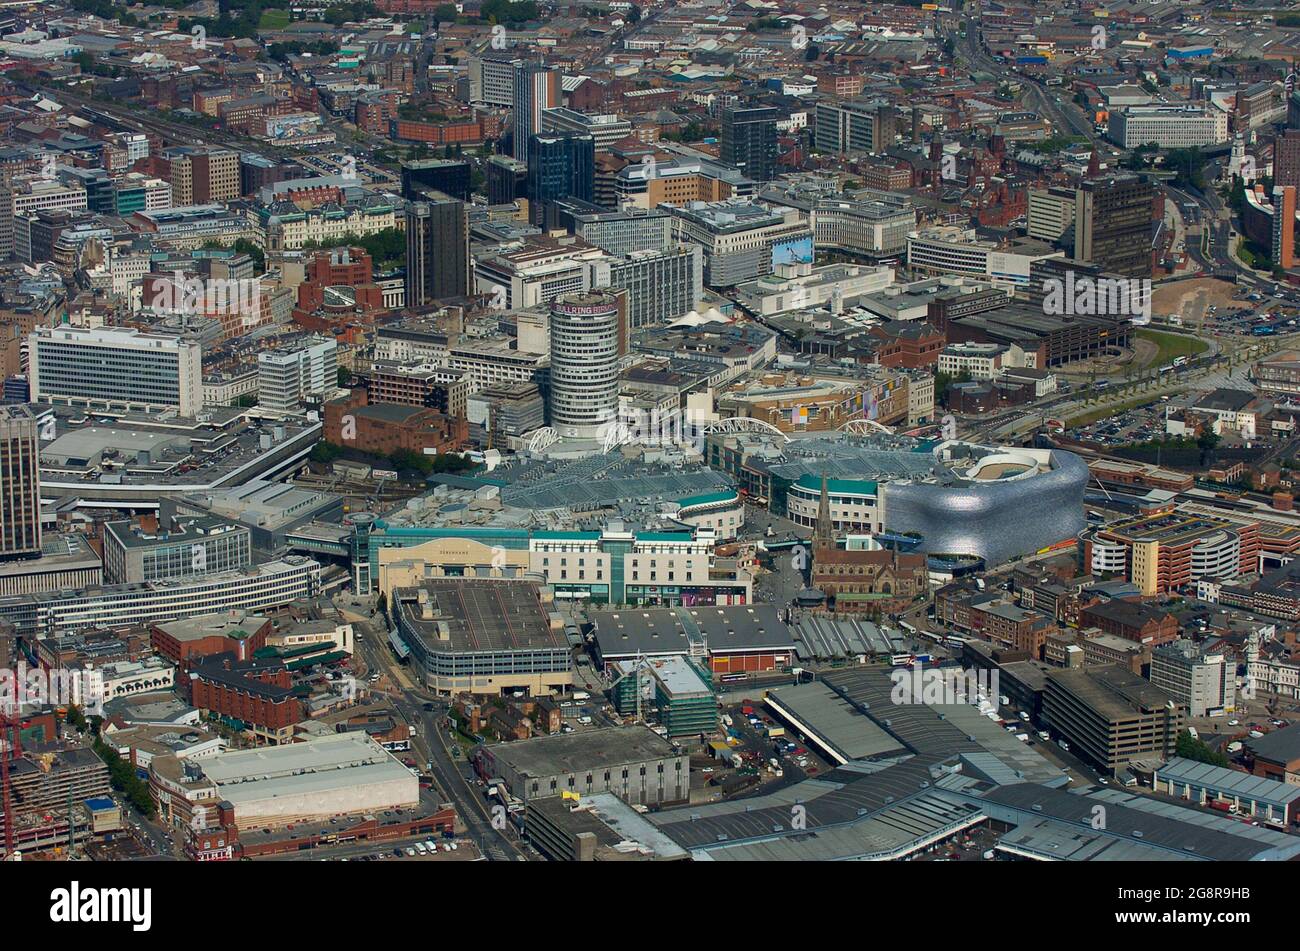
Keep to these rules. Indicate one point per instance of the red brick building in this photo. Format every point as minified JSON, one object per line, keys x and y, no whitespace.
{"x":189,"y":641}
{"x":1131,"y":620}
{"x":862,"y":581}
{"x":259,"y":693}
{"x":468,"y":132}
{"x":908,"y":344}
{"x":384,"y":429}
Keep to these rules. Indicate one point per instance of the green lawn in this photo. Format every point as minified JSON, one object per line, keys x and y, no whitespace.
{"x":273,"y":20}
{"x":1171,"y":345}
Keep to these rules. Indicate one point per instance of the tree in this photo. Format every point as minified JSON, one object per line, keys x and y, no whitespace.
{"x":1189,"y":747}
{"x":76,"y":718}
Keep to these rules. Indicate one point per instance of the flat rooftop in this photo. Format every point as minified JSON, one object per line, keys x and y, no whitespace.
{"x":236,"y":624}
{"x":562,"y":753}
{"x":477,"y":616}
{"x":1112,"y":691}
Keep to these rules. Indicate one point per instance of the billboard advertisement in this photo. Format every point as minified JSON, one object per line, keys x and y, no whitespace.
{"x":793,"y":251}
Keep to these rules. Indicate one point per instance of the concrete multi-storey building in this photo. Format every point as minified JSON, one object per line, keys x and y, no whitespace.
{"x":288,"y":376}
{"x":1169,"y":126}
{"x":634,"y":763}
{"x":23,"y":194}
{"x":876,"y":230}
{"x":1111,"y":716}
{"x":491,"y":78}
{"x":200,"y":174}
{"x":604,"y":129}
{"x":617,"y":232}
{"x":267,"y":585}
{"x":660,"y":285}
{"x":586,"y":340}
{"x":1113,"y":224}
{"x":1050,"y":214}
{"x":1164,"y":551}
{"x":947,"y":249}
{"x":742,"y":241}
{"x":437,"y":249}
{"x":136,"y":552}
{"x":115,"y":367}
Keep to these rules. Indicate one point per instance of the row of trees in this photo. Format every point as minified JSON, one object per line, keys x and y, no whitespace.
{"x":403,"y":460}
{"x":121,"y":774}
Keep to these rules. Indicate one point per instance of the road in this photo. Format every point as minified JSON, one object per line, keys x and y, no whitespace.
{"x":453,"y":774}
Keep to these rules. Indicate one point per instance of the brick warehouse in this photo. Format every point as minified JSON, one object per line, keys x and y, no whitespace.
{"x":383,"y":429}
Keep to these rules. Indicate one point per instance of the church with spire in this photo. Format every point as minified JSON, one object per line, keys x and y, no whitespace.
{"x":860,"y":580}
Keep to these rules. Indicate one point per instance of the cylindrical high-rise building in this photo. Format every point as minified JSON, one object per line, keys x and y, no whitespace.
{"x":584,"y":363}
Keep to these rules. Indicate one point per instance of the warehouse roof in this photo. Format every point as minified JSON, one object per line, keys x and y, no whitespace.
{"x":1280,"y":746}
{"x":839,"y":725}
{"x":1231,"y":781}
{"x":1054,"y":823}
{"x":675,"y":630}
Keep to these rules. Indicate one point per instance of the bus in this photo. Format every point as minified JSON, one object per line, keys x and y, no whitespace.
{"x":733,"y":678}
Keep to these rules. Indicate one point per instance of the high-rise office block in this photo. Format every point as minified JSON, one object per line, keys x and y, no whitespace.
{"x":855,"y":126}
{"x":437,"y":249}
{"x":585,"y":342}
{"x":535,"y":88}
{"x":449,"y":176}
{"x":20,"y":483}
{"x":288,"y":376}
{"x":201,"y":174}
{"x":1286,"y":158}
{"x":1284,"y":202}
{"x":507,"y":179}
{"x":605,"y":129}
{"x":560,"y":165}
{"x":491,"y":78}
{"x":1113,"y":224}
{"x":1050,"y":214}
{"x":749,"y":141}
{"x":115,"y":367}
{"x":661,"y":285}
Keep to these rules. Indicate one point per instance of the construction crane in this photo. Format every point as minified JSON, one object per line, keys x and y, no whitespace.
{"x":8,"y":750}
